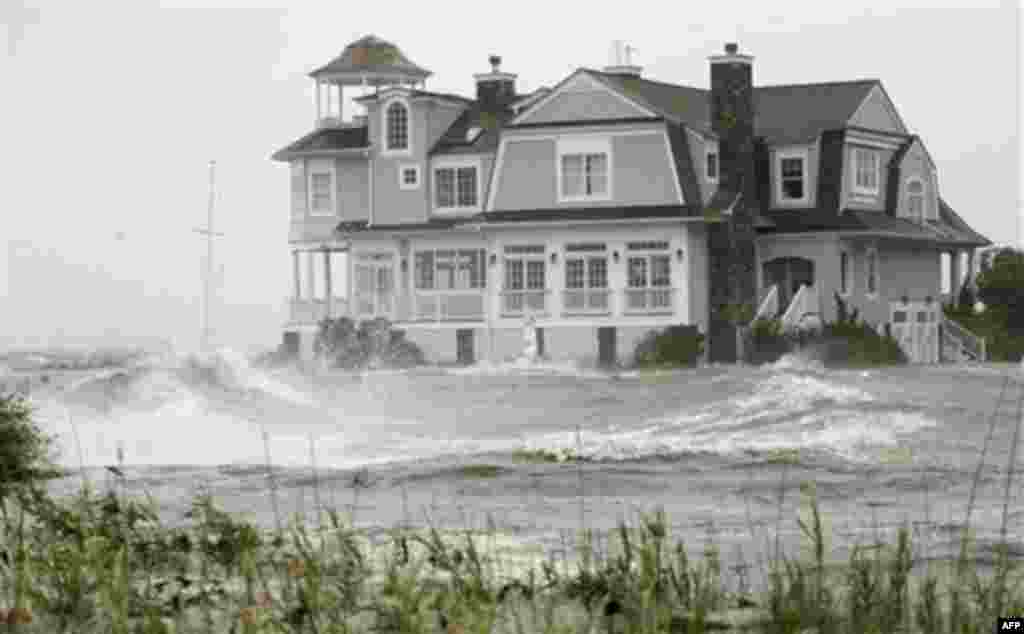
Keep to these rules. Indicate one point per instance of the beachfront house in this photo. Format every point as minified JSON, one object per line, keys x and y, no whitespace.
{"x":611,"y":204}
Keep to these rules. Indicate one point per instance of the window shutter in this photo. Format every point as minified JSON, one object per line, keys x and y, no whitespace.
{"x":298,"y":189}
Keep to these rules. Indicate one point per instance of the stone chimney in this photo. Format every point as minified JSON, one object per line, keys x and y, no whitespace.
{"x":495,"y":90}
{"x":733,"y":273}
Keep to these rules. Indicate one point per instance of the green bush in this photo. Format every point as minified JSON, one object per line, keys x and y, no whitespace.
{"x":370,"y":344}
{"x":672,"y":346}
{"x":848,"y":341}
{"x":766,"y":342}
{"x":24,"y":450}
{"x":1001,"y":343}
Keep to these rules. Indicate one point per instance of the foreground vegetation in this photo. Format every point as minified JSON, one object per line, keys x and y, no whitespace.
{"x":105,"y":562}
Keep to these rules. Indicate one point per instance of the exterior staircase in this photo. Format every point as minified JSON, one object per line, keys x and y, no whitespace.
{"x":804,"y":310}
{"x":960,"y":345}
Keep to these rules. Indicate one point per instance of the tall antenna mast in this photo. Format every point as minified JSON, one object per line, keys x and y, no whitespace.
{"x":208,"y":272}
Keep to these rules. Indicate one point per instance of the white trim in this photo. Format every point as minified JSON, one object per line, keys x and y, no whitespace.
{"x":857,"y":152}
{"x":492,"y":188}
{"x":935,"y":195}
{"x":562,"y":87}
{"x":584,"y":145}
{"x":370,"y":214}
{"x":887,"y":104}
{"x":384,"y":150}
{"x":454,"y":163}
{"x":478,"y":77}
{"x":671,"y":156}
{"x":854,"y":138}
{"x":319,"y":168}
{"x":529,"y":99}
{"x":787,"y":153}
{"x":732,"y":58}
{"x":401,"y":176}
{"x":538,"y":224}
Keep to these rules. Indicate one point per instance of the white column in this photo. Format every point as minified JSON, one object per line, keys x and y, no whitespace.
{"x":297,"y":276}
{"x":328,"y":293}
{"x":318,"y":110}
{"x":340,"y":118}
{"x":954,"y":274}
{"x":310,"y":273}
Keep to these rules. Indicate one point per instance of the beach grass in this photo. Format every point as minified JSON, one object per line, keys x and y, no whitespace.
{"x":105,"y":562}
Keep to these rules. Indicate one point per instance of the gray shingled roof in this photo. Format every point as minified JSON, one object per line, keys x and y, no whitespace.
{"x":453,"y":141}
{"x":370,"y":54}
{"x":326,"y":139}
{"x":785,"y":114}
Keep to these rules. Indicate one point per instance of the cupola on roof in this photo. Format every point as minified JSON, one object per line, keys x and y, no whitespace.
{"x":372,"y":61}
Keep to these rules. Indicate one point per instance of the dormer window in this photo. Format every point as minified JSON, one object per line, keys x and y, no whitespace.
{"x":473,"y":133}
{"x":791,"y":167}
{"x":397,"y":127}
{"x":711,"y":166}
{"x":915,"y":199}
{"x":866,"y":165}
{"x":457,"y":186}
{"x":584,"y":169}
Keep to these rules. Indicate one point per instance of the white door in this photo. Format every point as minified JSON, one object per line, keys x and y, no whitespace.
{"x":915,"y":326}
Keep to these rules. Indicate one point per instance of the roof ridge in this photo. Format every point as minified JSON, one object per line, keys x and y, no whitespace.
{"x":822,"y":83}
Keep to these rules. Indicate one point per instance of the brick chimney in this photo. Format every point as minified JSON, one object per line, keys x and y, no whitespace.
{"x":731,"y":242}
{"x":495,"y":90}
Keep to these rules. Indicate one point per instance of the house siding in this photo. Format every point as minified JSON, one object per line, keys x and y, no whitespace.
{"x":875,"y":114}
{"x":915,"y":164}
{"x":875,"y":202}
{"x":698,"y":147}
{"x":902,"y":269}
{"x":585,"y":106}
{"x":642,"y":173}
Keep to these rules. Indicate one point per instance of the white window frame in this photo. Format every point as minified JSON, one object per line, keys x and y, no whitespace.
{"x":455,"y":165}
{"x":708,"y":153}
{"x":401,"y":176}
{"x":924,"y":198}
{"x":385,"y":150}
{"x":846,"y":276}
{"x":478,"y":253}
{"x":320,"y":168}
{"x":855,"y":165}
{"x":585,"y":145}
{"x":780,"y":155}
{"x":871,"y":254}
{"x":509,"y":254}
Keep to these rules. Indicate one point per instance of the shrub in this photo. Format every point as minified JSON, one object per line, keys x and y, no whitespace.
{"x":766,"y":342}
{"x":24,"y":450}
{"x":850,"y":341}
{"x":370,"y":344}
{"x":675,"y":345}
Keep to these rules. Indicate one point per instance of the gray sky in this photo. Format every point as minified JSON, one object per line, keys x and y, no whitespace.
{"x":111,"y":111}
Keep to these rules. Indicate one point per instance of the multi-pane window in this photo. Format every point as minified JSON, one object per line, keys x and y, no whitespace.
{"x":321,"y":200}
{"x":525,"y":279}
{"x":450,"y":269}
{"x":455,"y":187}
{"x":586,"y":276}
{"x":409,"y":177}
{"x":915,"y":199}
{"x":397,"y":127}
{"x":844,"y":272}
{"x":866,"y":166}
{"x":712,"y":166}
{"x":584,"y":175}
{"x":872,"y":272}
{"x":648,"y":269}
{"x":792,"y":177}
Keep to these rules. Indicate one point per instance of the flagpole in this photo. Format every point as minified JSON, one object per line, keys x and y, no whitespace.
{"x":208,"y":272}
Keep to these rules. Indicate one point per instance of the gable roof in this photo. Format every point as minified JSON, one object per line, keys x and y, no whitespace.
{"x":371,"y":55}
{"x":328,"y":140}
{"x":784,"y":114}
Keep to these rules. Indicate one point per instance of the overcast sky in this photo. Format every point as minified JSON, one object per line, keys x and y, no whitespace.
{"x":111,"y":112}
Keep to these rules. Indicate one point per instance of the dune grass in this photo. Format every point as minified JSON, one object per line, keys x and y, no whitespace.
{"x":105,"y":562}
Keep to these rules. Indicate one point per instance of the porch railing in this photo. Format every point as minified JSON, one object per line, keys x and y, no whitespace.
{"x":803,"y":306}
{"x":769,"y":308}
{"x":445,"y":306}
{"x":586,"y":301}
{"x":311,"y":311}
{"x":519,"y":303}
{"x":648,"y":300}
{"x":960,"y":344}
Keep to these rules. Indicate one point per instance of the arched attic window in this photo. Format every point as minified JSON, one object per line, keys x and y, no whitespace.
{"x":915,"y":198}
{"x":397,"y":119}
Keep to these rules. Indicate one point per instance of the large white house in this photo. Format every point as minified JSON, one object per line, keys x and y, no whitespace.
{"x":608,"y":205}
